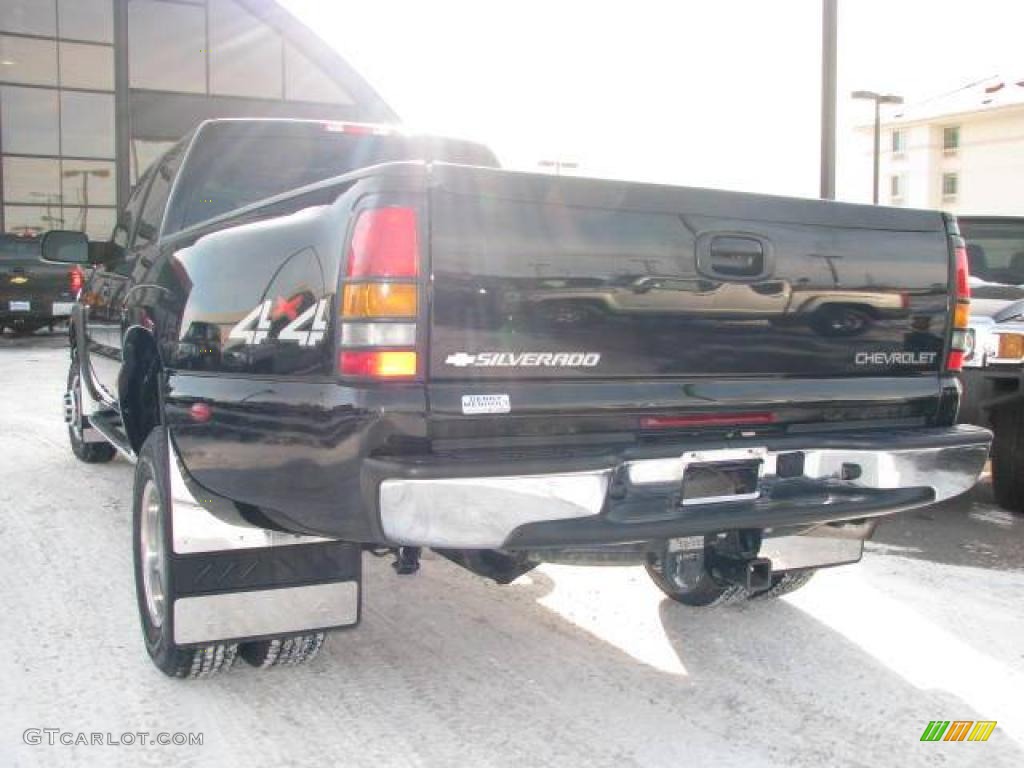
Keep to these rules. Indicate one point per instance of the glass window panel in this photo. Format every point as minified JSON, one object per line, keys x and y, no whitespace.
{"x":98,"y":223}
{"x":245,"y":54}
{"x":951,"y":137}
{"x":87,"y":20}
{"x":88,"y":182}
{"x":31,"y":219}
{"x":30,"y":124}
{"x":152,"y":216}
{"x":30,"y":17}
{"x":31,"y":180}
{"x":145,"y":153}
{"x":130,"y":213}
{"x":87,"y":66}
{"x":305,"y":81}
{"x":165,"y":51}
{"x":950,"y":184}
{"x":87,"y":124}
{"x":23,"y":60}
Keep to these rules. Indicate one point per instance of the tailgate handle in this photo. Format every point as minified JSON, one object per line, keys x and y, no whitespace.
{"x":739,"y":257}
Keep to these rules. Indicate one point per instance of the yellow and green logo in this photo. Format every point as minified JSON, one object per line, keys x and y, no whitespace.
{"x":958,"y":730}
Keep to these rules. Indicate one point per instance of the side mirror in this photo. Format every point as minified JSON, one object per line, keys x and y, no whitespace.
{"x":66,"y":247}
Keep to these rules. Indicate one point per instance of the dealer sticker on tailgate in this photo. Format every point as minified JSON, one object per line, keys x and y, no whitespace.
{"x":20,"y":306}
{"x":486,"y":404}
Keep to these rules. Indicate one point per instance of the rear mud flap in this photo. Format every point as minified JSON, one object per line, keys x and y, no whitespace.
{"x":233,"y":581}
{"x":250,"y":594}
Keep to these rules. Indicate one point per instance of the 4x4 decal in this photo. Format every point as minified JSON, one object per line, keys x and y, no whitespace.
{"x":257,"y":326}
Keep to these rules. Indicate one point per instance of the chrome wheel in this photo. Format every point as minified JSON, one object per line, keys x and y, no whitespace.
{"x":154,"y":561}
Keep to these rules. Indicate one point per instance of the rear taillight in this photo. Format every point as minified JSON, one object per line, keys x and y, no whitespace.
{"x":381,"y":364}
{"x":384,"y":244}
{"x":961,"y":307}
{"x":380,"y":297}
{"x":76,"y":279}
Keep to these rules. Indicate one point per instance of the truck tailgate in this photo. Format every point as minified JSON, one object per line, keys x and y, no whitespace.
{"x":540,"y":277}
{"x":28,"y":285}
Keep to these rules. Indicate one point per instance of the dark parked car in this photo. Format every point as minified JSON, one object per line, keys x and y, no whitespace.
{"x":306,"y":335}
{"x":33,"y":293}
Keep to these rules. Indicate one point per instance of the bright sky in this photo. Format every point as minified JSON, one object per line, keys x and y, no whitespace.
{"x":718,"y":93}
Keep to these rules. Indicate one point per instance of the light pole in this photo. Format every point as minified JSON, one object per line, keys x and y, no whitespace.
{"x":52,"y":201}
{"x":879,"y":99}
{"x":100,"y":173}
{"x":829,"y":46}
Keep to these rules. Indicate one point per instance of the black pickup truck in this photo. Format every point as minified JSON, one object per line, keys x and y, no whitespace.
{"x":317,"y":339}
{"x":34,"y":294}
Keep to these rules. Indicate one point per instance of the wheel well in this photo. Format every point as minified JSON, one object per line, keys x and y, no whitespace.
{"x":139,"y":386}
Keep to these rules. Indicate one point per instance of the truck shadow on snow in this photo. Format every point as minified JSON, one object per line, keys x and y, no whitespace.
{"x":595,"y":667}
{"x":969,"y":530}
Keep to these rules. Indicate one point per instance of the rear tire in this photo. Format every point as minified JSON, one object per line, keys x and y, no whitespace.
{"x":154,"y":579}
{"x":90,"y":453}
{"x":1008,"y":457}
{"x":708,"y":592}
{"x":282,"y":651}
{"x":25,"y":328}
{"x":784,"y":583}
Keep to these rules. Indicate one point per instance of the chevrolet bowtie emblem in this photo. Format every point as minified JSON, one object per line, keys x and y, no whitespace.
{"x":461,"y":360}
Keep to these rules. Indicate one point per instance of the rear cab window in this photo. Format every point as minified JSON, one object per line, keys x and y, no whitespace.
{"x":233,"y":164}
{"x":15,"y":248}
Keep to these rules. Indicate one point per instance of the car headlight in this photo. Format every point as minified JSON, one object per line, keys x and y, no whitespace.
{"x":1011,"y":346}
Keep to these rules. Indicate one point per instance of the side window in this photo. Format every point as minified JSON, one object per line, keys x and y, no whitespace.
{"x":127,"y":218}
{"x":156,"y":200}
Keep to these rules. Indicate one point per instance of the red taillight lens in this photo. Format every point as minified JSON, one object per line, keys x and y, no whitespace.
{"x":963,"y":282}
{"x":387,"y":364}
{"x":76,"y":279}
{"x":385,"y":243}
{"x":706,"y":420}
{"x":200,"y":412}
{"x":961,"y":308}
{"x":955,"y":361}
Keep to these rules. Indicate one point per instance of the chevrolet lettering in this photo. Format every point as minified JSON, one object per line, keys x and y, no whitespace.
{"x":889,"y":359}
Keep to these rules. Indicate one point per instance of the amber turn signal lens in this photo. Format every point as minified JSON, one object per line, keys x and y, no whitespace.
{"x":379,"y":300}
{"x":961,"y":315}
{"x":1011,"y":346}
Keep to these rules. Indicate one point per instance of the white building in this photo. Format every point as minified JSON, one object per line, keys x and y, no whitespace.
{"x":962,"y":152}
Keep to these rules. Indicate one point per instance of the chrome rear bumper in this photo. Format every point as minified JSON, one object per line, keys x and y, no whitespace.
{"x":638,"y":499}
{"x":480,"y":512}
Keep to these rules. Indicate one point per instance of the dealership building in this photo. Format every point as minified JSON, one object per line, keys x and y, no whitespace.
{"x":92,"y":91}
